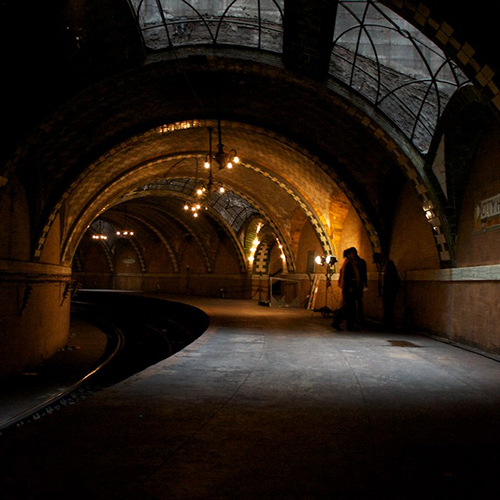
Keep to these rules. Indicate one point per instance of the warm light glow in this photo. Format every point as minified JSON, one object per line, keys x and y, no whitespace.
{"x":429,"y":214}
{"x":186,"y":207}
{"x":199,"y":192}
{"x":118,"y":233}
{"x":229,"y":165}
{"x":221,"y":189}
{"x":207,"y":165}
{"x":236,"y":159}
{"x":318,"y":259}
{"x":195,"y":214}
{"x":255,"y":245}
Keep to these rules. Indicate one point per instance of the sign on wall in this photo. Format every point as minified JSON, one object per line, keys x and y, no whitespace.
{"x":488,"y":213}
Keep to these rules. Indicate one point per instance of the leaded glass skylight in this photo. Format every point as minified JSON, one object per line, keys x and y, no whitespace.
{"x":394,"y":66}
{"x":251,"y":23}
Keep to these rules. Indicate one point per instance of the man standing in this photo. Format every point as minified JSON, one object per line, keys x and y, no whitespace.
{"x":389,"y":284}
{"x":348,"y":282}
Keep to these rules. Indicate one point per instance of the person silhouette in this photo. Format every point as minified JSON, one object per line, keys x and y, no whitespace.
{"x":348,"y":282}
{"x":389,"y":284}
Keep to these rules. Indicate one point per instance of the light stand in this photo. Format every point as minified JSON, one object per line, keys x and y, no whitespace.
{"x":328,"y":262}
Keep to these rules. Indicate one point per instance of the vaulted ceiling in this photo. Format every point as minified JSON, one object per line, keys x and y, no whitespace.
{"x":105,"y":116}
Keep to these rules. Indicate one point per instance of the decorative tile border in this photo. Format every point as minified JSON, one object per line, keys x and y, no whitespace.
{"x":461,"y":50}
{"x":474,"y":273}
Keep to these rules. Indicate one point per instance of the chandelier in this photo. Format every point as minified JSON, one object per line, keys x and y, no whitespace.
{"x":126,"y":232}
{"x":204,"y":190}
{"x":224,"y":159}
{"x":99,"y":234}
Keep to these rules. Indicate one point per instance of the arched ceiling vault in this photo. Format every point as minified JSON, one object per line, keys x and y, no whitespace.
{"x":355,"y":150}
{"x":258,"y":89}
{"x":168,"y":204}
{"x":351,"y":151}
{"x":145,"y":223}
{"x":290,"y":175}
{"x":164,"y":189}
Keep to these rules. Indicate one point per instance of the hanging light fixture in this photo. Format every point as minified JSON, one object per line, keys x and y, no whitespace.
{"x":224,"y":159}
{"x":194,"y":206}
{"x":99,"y":235}
{"x":125,"y":232}
{"x":202,"y":190}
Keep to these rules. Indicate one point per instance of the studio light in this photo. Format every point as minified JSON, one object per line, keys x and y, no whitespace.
{"x":327,"y":260}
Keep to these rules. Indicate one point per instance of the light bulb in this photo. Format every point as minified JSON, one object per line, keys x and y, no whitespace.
{"x":207,"y":164}
{"x":199,"y":192}
{"x":229,"y":165}
{"x":236,"y":159}
{"x":186,"y":207}
{"x":195,"y":214}
{"x":221,"y":189}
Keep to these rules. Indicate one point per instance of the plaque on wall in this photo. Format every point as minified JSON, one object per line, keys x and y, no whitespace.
{"x":487,"y":214}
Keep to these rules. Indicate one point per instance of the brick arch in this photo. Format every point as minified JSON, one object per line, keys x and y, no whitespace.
{"x":276,"y":228}
{"x":85,"y":184}
{"x":222,"y":223}
{"x":265,"y":66}
{"x":191,"y":232}
{"x":161,"y":237}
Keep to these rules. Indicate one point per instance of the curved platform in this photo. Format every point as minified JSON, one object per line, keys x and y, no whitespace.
{"x":272,"y":403}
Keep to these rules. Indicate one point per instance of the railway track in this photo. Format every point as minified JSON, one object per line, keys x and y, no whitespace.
{"x":141,"y":331}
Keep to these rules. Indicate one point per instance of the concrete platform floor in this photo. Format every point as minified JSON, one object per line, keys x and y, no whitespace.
{"x":274,"y":404}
